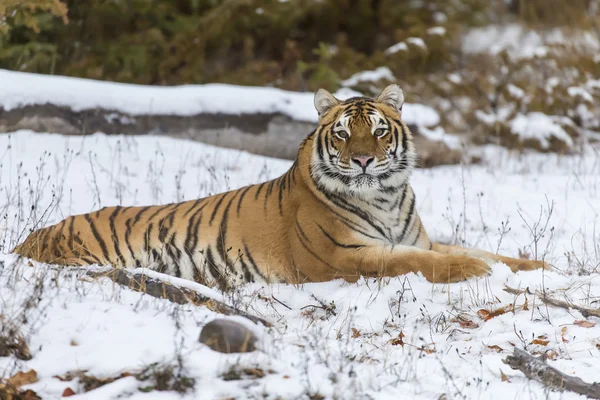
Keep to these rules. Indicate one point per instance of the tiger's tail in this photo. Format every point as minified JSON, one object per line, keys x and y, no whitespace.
{"x":58,"y":244}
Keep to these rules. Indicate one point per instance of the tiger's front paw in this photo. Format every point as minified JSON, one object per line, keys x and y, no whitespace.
{"x":456,"y":268}
{"x":526,"y":265}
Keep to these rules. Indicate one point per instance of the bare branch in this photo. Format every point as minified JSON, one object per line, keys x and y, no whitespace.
{"x":537,"y":369}
{"x":585,"y":311}
{"x":165,"y":290}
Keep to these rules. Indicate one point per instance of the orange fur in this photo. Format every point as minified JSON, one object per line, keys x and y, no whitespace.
{"x":319,"y":221}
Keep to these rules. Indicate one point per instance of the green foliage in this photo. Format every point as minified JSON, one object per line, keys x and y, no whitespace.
{"x":296,"y":44}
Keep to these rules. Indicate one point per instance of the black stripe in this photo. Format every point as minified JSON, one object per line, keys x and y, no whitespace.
{"x":409,"y":217}
{"x":404,"y":138}
{"x":418,"y":234}
{"x":280,"y":197}
{"x":260,"y":187}
{"x":342,"y":203}
{"x":88,"y":253}
{"x":222,"y":250}
{"x":311,"y":252}
{"x":247,"y":274}
{"x":252,"y":262}
{"x":302,"y":232}
{"x":239,"y":205}
{"x":159,"y":209}
{"x":269,"y":191}
{"x":348,"y":222}
{"x":217,"y":206}
{"x":196,"y":203}
{"x":113,"y":231}
{"x":191,"y":238}
{"x":338,"y":244}
{"x":127,"y":235}
{"x":175,"y":255}
{"x":401,"y":204}
{"x":87,"y":260}
{"x":98,"y":237}
{"x":147,"y":237}
{"x":163,"y":230}
{"x":214,"y":271}
{"x":137,"y":217}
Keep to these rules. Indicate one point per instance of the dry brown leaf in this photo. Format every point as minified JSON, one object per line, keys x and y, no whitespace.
{"x":467,"y":323}
{"x":355,"y":333}
{"x":540,"y":342}
{"x":526,"y":305}
{"x":504,"y":377}
{"x":486,"y":315}
{"x":68,"y":392}
{"x":496,"y":348}
{"x":427,"y":350}
{"x":23,"y":378}
{"x":30,"y":395}
{"x":398,"y":340}
{"x":584,"y":323}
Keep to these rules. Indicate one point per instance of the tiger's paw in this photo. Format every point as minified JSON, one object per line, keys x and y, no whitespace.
{"x":456,"y":268}
{"x":526,"y":265}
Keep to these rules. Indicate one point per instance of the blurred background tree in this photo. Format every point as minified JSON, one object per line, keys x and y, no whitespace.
{"x":306,"y":44}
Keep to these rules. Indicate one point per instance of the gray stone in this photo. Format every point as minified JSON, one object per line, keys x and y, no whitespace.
{"x":227,"y":336}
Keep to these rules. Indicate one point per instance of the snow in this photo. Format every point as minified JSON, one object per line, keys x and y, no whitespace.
{"x":417,"y":42}
{"x":539,"y":126}
{"x":516,"y":91}
{"x":437,"y":30}
{"x":577,"y":91}
{"x":396,"y":48}
{"x":77,"y":323}
{"x":521,"y":42}
{"x":403,"y":46}
{"x":19,"y":89}
{"x":370,"y":76}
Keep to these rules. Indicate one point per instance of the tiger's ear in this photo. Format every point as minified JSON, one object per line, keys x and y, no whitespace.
{"x":393,"y":96}
{"x":324,"y":101}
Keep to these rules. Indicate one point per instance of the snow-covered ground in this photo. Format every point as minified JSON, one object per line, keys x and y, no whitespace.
{"x":388,"y":339}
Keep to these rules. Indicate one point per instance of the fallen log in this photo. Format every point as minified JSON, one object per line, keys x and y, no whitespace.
{"x":168,"y":291}
{"x":536,"y":368}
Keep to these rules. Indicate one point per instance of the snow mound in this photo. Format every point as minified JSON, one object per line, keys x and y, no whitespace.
{"x":540,"y":127}
{"x":18,"y":89}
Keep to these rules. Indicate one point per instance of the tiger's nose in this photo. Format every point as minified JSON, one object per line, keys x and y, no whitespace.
{"x":363,"y":161}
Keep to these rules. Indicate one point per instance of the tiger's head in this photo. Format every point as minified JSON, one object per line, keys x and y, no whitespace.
{"x":361,"y":146}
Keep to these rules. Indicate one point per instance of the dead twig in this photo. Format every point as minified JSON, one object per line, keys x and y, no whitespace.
{"x":537,"y":369}
{"x":585,"y":311}
{"x":165,"y":290}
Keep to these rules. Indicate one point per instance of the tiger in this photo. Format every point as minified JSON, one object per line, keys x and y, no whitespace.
{"x":345,"y":209}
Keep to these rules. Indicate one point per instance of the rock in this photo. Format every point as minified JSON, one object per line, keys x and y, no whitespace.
{"x":227,"y":336}
{"x":273,"y":135}
{"x":431,"y":153}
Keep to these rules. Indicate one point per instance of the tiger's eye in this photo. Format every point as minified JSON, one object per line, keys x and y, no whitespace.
{"x":342,"y":134}
{"x":379,"y":132}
